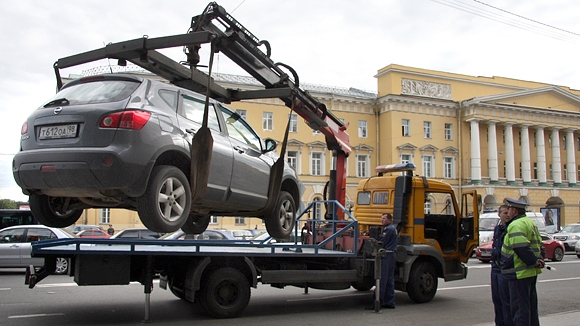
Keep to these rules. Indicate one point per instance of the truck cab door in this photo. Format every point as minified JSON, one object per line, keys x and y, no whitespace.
{"x":469,"y":229}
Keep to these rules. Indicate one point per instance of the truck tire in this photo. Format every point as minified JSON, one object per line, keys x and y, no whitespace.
{"x":366,"y":284}
{"x":165,"y":205}
{"x":225,"y":293}
{"x":48,"y":210}
{"x":195,"y":224}
{"x":281,"y":223}
{"x":422,"y":284}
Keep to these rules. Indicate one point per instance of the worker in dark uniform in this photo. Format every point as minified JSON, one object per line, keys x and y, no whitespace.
{"x":500,"y":295}
{"x":388,"y":238}
{"x":521,"y":263}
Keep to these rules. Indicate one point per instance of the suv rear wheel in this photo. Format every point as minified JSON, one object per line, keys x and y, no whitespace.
{"x":53,"y":211}
{"x":165,"y":205}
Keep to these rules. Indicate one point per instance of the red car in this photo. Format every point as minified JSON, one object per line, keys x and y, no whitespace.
{"x":93,"y":234}
{"x":554,"y":249}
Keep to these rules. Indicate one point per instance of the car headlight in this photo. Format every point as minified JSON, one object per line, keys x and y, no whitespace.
{"x":483,"y":240}
{"x":574,"y":237}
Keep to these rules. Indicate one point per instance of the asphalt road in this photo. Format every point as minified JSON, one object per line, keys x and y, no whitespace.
{"x":57,"y":300}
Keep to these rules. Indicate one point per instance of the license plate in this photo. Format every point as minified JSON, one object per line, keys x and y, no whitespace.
{"x":485,"y":254}
{"x":57,"y":132}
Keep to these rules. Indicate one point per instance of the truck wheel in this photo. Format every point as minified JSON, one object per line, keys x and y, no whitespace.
{"x":281,"y":223}
{"x":558,"y":254}
{"x":61,"y":266}
{"x":195,"y":224}
{"x":49,"y":210}
{"x":165,"y":205}
{"x":225,"y":293}
{"x":366,"y":284}
{"x":422,"y":284}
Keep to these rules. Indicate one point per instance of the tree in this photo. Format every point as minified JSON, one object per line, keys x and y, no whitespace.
{"x":8,"y":204}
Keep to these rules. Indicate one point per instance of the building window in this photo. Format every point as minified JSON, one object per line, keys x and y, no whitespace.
{"x":362,"y":166}
{"x":550,"y":141}
{"x":362,"y":129}
{"x":520,"y":138}
{"x":564,"y":142}
{"x":426,"y":129}
{"x":551,"y":173}
{"x":242,"y":113}
{"x":521,"y":170}
{"x":316,"y":163}
{"x":565,"y":173}
{"x":448,"y":131}
{"x":292,"y":159}
{"x":428,"y":166}
{"x":428,"y":206}
{"x":449,"y":168}
{"x":318,"y":208}
{"x":503,"y":136}
{"x":240,"y":220}
{"x":267,"y":121}
{"x":406,"y":127}
{"x":535,"y":170}
{"x":213,"y":220}
{"x":405,"y":158}
{"x":293,"y":122}
{"x":105,"y":216}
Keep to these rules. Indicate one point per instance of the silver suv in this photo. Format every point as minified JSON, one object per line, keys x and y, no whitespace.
{"x":122,"y":141}
{"x":570,"y":235}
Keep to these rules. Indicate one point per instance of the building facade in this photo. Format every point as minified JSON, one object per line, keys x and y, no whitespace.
{"x":502,"y":137}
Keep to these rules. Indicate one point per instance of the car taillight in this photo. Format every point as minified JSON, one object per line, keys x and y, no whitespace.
{"x":24,"y":129}
{"x":134,"y":119}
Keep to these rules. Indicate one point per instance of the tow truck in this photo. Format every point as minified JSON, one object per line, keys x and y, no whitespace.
{"x":343,"y":250}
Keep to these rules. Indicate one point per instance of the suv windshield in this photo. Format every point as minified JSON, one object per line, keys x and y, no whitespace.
{"x":99,"y":91}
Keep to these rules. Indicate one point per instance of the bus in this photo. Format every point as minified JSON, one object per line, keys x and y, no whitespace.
{"x":11,"y":217}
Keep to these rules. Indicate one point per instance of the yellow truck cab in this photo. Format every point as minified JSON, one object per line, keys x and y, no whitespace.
{"x":436,"y":234}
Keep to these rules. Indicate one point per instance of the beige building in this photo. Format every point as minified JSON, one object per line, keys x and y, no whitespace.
{"x":503,"y":137}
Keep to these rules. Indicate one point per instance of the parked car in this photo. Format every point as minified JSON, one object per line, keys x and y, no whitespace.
{"x":554,"y":249}
{"x":265,"y":238}
{"x":570,"y":235}
{"x":16,"y":246}
{"x":136,"y":233}
{"x":81,"y":227}
{"x":577,"y":247}
{"x":123,"y":141}
{"x":206,"y":235}
{"x":487,"y":222}
{"x":93,"y":234}
{"x":241,"y":234}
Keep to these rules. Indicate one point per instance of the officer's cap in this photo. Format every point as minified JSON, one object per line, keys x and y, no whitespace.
{"x":510,"y":202}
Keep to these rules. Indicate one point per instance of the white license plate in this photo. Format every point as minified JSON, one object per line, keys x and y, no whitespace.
{"x":56,"y":132}
{"x":485,"y":254}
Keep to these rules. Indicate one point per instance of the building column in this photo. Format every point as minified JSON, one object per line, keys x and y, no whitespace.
{"x":556,"y":162}
{"x":509,"y":154}
{"x":475,"y":152}
{"x":492,"y":152}
{"x":541,"y":155}
{"x":570,"y":158}
{"x":526,"y":172}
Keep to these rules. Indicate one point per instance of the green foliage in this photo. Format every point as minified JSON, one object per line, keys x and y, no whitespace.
{"x":8,"y":204}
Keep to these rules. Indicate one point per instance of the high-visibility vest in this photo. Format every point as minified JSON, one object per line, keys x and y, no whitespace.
{"x":521,"y":232}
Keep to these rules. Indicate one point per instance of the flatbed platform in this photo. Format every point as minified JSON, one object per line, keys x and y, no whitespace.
{"x":72,"y":247}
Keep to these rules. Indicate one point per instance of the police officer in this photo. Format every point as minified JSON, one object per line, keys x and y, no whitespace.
{"x":521,"y":263}
{"x":499,"y":289}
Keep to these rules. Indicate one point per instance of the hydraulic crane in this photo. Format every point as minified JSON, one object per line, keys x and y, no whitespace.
{"x":226,"y":35}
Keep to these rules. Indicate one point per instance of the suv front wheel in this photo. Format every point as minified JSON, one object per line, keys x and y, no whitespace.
{"x":281,"y":222}
{"x":165,"y":205}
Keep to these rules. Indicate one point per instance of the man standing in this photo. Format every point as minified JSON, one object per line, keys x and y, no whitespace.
{"x":389,"y":240}
{"x":499,"y":288}
{"x":521,"y":263}
{"x":110,"y":230}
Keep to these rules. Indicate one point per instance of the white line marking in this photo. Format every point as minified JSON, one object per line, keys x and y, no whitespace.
{"x":36,"y":315}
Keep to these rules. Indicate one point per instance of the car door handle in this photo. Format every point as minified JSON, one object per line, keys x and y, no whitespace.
{"x":15,"y":246}
{"x":191,"y":130}
{"x":239,"y":149}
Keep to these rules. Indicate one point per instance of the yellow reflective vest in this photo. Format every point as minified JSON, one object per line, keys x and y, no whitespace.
{"x":521,"y":249}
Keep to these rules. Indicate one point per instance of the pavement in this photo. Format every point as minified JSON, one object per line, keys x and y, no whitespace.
{"x":569,"y":318}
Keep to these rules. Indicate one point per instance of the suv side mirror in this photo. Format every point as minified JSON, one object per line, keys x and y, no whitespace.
{"x":270,"y":145}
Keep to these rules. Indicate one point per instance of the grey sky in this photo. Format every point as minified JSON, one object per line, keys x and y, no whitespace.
{"x":335,"y":42}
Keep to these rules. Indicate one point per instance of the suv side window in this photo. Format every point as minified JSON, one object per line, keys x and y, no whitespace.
{"x":238,"y":129}
{"x":169,"y":97}
{"x":193,"y":110}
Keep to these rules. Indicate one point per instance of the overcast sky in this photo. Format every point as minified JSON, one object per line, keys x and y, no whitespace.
{"x":334,"y":42}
